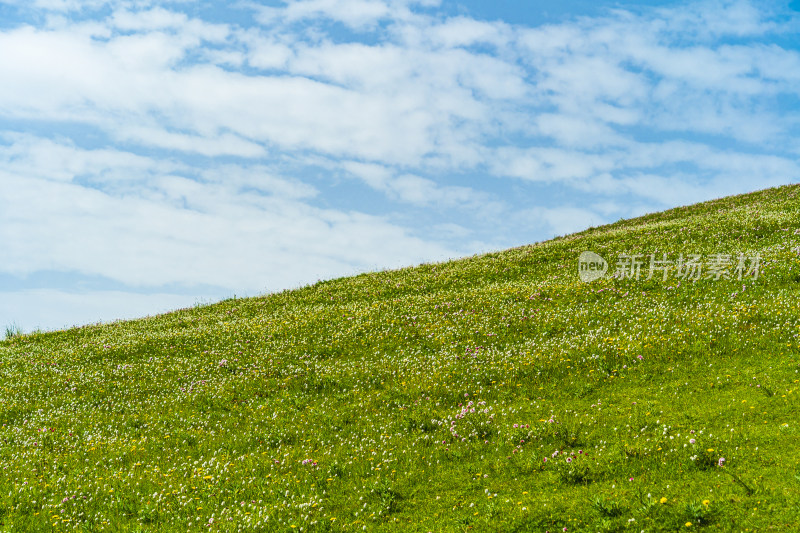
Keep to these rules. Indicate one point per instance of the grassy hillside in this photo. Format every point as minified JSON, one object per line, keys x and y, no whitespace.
{"x":494,"y":393}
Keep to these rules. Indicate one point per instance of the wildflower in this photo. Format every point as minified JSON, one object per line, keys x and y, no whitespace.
{"x":706,"y":502}
{"x":692,"y":441}
{"x":721,"y":461}
{"x":663,"y":500}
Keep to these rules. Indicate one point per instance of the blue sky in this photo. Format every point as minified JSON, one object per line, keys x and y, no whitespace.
{"x":154,"y":155}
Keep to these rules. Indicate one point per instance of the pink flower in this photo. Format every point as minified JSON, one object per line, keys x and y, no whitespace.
{"x":721,"y":461}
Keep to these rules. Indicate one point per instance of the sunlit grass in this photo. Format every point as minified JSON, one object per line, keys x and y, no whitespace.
{"x":494,"y":393}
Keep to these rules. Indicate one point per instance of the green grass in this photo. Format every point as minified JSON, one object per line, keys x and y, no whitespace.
{"x":12,"y":330}
{"x":598,"y":407}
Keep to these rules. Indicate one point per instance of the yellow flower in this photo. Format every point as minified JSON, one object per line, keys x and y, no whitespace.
{"x":688,"y":524}
{"x":706,"y":502}
{"x":663,"y":500}
{"x":710,"y":450}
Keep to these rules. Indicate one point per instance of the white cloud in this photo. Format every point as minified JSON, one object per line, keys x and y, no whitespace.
{"x":234,"y":229}
{"x":266,"y":52}
{"x":417,"y":190}
{"x":560,"y":220}
{"x":44,"y":308}
{"x":574,"y":130}
{"x":89,"y":5}
{"x":57,"y":5}
{"x":712,"y":19}
{"x":463,"y":31}
{"x":221,"y":144}
{"x":153,"y":19}
{"x":260,"y":179}
{"x":421,"y":103}
{"x":376,"y":176}
{"x":427,"y":105}
{"x":550,"y":164}
{"x":358,"y":14}
{"x":422,"y":191}
{"x":45,"y":159}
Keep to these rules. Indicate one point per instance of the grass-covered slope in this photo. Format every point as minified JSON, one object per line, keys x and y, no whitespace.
{"x":620,"y":405}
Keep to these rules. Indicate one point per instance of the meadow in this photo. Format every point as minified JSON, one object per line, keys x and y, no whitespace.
{"x":491,"y":393}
